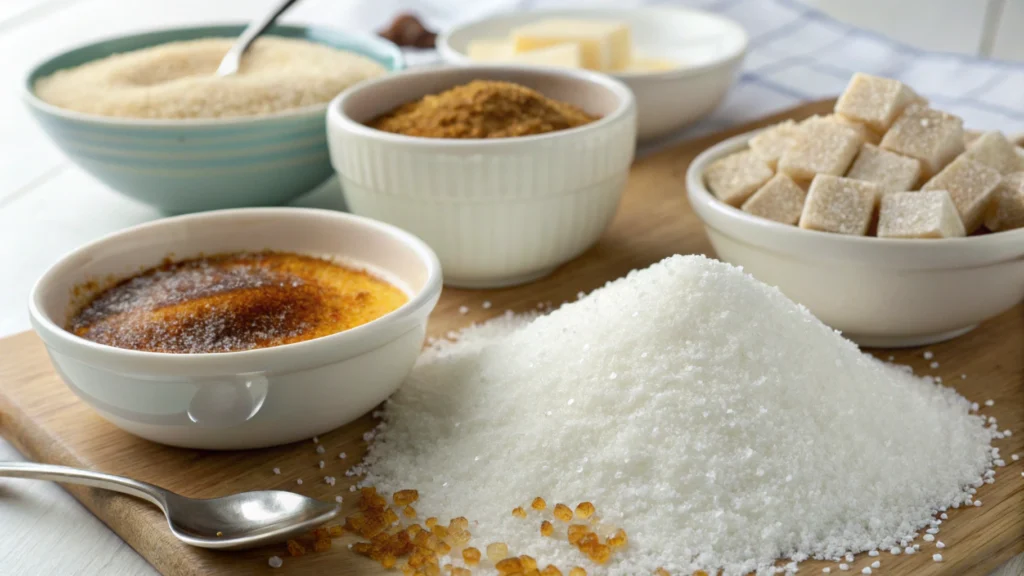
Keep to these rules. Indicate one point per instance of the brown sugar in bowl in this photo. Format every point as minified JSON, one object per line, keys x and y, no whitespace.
{"x":251,"y":398}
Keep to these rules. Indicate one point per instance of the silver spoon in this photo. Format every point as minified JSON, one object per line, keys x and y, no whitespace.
{"x":229,"y":65}
{"x":233,"y":522}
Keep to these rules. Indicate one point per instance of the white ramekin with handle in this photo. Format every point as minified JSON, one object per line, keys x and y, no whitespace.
{"x":500,"y":211}
{"x":253,"y":398}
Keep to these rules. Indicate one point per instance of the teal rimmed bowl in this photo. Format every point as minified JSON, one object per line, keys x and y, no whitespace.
{"x":191,"y":165}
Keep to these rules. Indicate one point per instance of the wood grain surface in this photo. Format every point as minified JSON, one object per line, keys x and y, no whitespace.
{"x":40,"y":416}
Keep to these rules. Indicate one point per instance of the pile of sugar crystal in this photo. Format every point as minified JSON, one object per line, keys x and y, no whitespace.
{"x":719,"y":423}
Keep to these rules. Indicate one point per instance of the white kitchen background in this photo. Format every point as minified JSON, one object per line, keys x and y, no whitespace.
{"x":44,"y":531}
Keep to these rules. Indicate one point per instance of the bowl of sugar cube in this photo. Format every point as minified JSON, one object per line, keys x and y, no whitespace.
{"x":886,"y":219}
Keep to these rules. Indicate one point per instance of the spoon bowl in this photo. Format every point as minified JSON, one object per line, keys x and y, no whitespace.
{"x":234,"y":522}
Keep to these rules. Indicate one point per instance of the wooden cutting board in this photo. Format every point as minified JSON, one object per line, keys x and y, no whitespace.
{"x":49,"y":424}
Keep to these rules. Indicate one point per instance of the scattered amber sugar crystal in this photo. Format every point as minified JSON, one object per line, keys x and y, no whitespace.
{"x":405,"y":497}
{"x":322,"y":544}
{"x":563,"y":512}
{"x":319,"y":533}
{"x":584,"y":510}
{"x":509,"y":566}
{"x":363,"y":548}
{"x":518,"y":512}
{"x":546,"y":528}
{"x":577,"y":571}
{"x":471,"y":556}
{"x":698,"y":573}
{"x":589,"y":539}
{"x":576,"y":532}
{"x":431,"y":522}
{"x":599,"y":553}
{"x":296,"y":549}
{"x":388,"y":561}
{"x":528,"y":562}
{"x":413,"y":529}
{"x":662,"y":572}
{"x":370,"y":500}
{"x":432,"y":570}
{"x":457,"y":571}
{"x":335,"y":531}
{"x":618,"y":539}
{"x":497,"y":551}
{"x":459,"y":522}
{"x":443,"y":548}
{"x":409,"y":512}
{"x":390,"y":516}
{"x":538,"y":503}
{"x":551,"y":570}
{"x":459,"y":537}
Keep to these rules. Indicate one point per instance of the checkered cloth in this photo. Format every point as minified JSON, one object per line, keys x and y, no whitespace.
{"x":796,"y":54}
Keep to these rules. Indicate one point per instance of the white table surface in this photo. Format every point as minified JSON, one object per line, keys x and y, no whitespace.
{"x":48,"y":206}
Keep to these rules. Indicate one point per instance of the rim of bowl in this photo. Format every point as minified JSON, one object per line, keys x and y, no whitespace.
{"x":625,"y":97}
{"x":699,"y":193}
{"x":450,"y":54}
{"x":431,"y":289}
{"x":28,"y":93}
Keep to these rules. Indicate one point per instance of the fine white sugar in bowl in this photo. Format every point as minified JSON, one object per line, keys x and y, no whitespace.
{"x":254,"y":398}
{"x":708,"y":48}
{"x":878,"y":291}
{"x":498,"y":211}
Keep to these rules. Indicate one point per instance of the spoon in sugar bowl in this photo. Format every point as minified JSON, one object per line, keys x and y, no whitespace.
{"x":233,"y":59}
{"x":233,"y":522}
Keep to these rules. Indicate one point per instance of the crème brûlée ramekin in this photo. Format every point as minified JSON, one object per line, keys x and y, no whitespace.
{"x":253,"y":398}
{"x":498,"y":211}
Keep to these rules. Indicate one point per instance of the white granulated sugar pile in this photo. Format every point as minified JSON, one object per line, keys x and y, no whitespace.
{"x":720,"y":424}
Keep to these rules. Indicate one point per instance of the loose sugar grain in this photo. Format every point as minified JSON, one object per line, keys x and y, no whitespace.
{"x":739,"y":429}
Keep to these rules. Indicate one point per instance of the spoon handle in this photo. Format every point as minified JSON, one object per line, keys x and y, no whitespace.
{"x":68,"y":475}
{"x":229,"y":65}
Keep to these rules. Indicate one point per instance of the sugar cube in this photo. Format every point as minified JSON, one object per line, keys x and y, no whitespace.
{"x":735,"y":177}
{"x":1006,"y":210}
{"x":993,"y":149}
{"x":919,"y":215}
{"x":773,"y":141}
{"x":931,"y":136}
{"x":840,"y":205}
{"x":825,"y":147}
{"x":873,"y":101}
{"x":971,"y":185}
{"x":971,"y":136}
{"x":867,"y":134}
{"x":780,"y":199}
{"x":893,"y":172}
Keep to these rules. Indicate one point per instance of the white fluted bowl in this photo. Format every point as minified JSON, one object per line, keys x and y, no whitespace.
{"x":498,"y":212}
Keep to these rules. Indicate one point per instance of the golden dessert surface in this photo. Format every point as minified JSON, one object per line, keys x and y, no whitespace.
{"x":234,"y":302}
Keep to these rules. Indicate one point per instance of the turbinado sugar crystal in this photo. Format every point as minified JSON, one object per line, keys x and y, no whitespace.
{"x":718,"y":423}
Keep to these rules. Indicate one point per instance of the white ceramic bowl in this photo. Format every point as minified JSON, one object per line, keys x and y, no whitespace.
{"x":258,"y":397}
{"x":878,"y":291}
{"x":498,"y":211}
{"x":710,"y":47}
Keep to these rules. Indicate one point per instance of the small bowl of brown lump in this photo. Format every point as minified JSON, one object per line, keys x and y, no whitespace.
{"x":506,"y":172}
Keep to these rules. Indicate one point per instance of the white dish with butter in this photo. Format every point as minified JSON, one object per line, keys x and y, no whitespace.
{"x":682,"y":61}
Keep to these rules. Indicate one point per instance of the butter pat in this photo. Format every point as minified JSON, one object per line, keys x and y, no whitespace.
{"x":490,"y":50}
{"x":604,"y":45}
{"x":567,"y":55}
